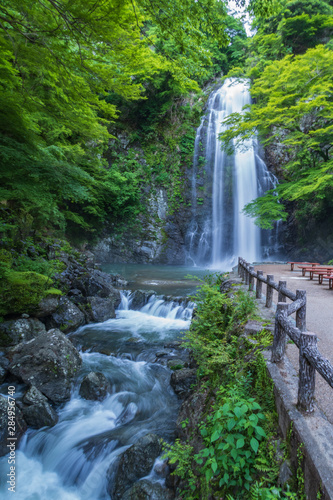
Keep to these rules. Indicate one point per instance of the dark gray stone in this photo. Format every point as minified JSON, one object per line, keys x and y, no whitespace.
{"x":101,"y":309}
{"x":285,"y":473}
{"x":139,"y":298}
{"x":47,"y":306}
{"x":135,"y":463}
{"x":19,"y":429}
{"x":145,"y":490}
{"x":176,"y":364}
{"x":50,"y":362}
{"x":16,"y":331}
{"x":94,"y":386}
{"x":67,"y":317}
{"x":40,"y":414}
{"x":182,"y":380}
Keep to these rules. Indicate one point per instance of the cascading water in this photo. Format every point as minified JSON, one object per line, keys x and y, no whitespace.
{"x":77,"y":458}
{"x":219,"y":232}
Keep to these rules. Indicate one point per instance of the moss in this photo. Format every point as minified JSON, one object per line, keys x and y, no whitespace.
{"x":21,"y":291}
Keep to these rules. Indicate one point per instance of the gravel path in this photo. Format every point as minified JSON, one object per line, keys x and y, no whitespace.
{"x":319,"y":318}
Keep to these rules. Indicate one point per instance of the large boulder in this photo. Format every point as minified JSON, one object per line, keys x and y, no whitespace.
{"x":101,"y":309}
{"x":182,"y":380}
{"x":94,"y":386}
{"x":20,"y":330}
{"x":50,"y":362}
{"x":136,"y":462}
{"x":7,"y":432}
{"x":96,"y":283}
{"x":145,"y":490}
{"x":38,"y":412}
{"x":68,"y":317}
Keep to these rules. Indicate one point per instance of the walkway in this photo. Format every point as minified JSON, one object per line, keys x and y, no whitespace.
{"x":319,"y":319}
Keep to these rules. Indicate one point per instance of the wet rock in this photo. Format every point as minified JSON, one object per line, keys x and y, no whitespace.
{"x":20,"y":426}
{"x":139,"y":298}
{"x":4,"y":363}
{"x":135,"y":463}
{"x":38,"y":413}
{"x":67,"y":317}
{"x":47,"y":306}
{"x":50,"y":362}
{"x":182,"y":380}
{"x":176,"y":364}
{"x":95,"y":386}
{"x":161,"y":354}
{"x":145,"y":490}
{"x":20,"y":330}
{"x":101,"y":309}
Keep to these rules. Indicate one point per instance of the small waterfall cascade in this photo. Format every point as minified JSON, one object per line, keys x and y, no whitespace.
{"x":219,"y":232}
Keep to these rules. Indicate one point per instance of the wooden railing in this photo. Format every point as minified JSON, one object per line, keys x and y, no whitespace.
{"x":310,"y":359}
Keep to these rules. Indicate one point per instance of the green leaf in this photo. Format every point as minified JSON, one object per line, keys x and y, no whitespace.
{"x":240,"y":443}
{"x":254,"y":444}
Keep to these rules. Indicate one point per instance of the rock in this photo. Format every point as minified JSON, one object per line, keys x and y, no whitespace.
{"x":228,"y":285}
{"x":253,"y":327}
{"x":47,"y":306}
{"x":176,"y":364}
{"x":135,"y":463}
{"x":68,"y":317}
{"x":285,"y":473}
{"x":139,"y":298}
{"x":50,"y":362}
{"x":145,"y":490}
{"x":182,"y":380}
{"x":244,"y":341}
{"x":94,"y":386}
{"x":38,"y":413}
{"x":20,"y":426}
{"x":16,"y":331}
{"x":4,"y":363}
{"x":101,"y":309}
{"x":161,"y":354}
{"x":96,"y":283}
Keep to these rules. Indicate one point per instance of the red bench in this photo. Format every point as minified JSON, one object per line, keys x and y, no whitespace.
{"x":306,"y":267}
{"x":293,"y":263}
{"x":328,"y":277}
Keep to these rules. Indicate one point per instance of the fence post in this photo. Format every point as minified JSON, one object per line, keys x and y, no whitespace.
{"x":239,"y":266}
{"x":269,"y":292}
{"x":259,"y":285}
{"x":282,"y":298}
{"x":251,"y":279}
{"x":301,"y":313}
{"x":307,"y":374}
{"x":279,"y":341}
{"x":246,"y":274}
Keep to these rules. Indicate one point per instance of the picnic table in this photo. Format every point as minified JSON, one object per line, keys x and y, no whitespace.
{"x":308,"y":267}
{"x":292,"y":264}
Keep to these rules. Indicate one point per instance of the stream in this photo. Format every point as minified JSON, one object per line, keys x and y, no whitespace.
{"x":72,"y":460}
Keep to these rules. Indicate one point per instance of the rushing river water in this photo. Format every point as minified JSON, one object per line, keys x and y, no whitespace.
{"x":70,"y":460}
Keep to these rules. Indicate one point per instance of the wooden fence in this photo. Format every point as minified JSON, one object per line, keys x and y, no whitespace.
{"x":310,"y":359}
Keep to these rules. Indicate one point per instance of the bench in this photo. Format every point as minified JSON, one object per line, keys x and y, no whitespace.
{"x":306,"y":267}
{"x":328,"y":277}
{"x":293,"y":263}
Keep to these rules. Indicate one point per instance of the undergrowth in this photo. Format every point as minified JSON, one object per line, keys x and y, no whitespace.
{"x":237,"y":434}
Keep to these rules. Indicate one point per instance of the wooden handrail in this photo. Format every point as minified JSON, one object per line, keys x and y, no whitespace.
{"x":310,"y":359}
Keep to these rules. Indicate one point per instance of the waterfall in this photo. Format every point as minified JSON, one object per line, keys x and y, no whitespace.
{"x":219,"y":232}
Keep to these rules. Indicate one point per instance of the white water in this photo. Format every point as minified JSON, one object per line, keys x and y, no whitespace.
{"x":225,"y":232}
{"x":70,"y":460}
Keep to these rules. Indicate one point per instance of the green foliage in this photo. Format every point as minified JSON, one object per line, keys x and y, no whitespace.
{"x":237,"y":457}
{"x":232,"y":434}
